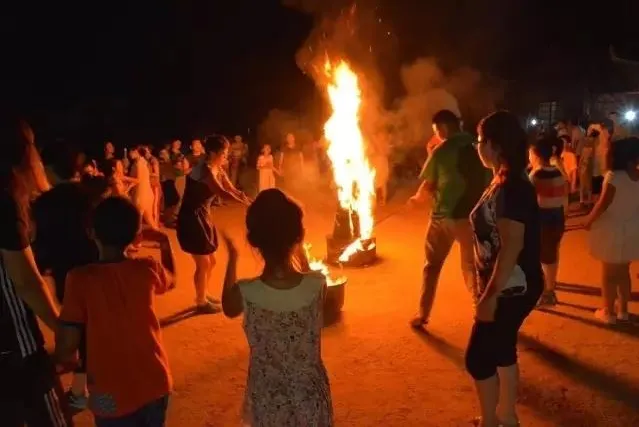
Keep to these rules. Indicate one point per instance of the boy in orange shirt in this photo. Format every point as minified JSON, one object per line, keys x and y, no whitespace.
{"x":127,"y":368}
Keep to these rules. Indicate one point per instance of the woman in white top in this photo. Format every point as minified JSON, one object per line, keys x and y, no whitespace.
{"x":614,"y":228}
{"x":142,"y":195}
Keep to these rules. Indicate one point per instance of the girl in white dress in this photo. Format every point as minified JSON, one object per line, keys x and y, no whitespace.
{"x":266,"y":169}
{"x":614,"y":229}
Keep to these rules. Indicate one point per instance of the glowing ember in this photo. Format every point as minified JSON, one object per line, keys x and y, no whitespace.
{"x":353,"y":175}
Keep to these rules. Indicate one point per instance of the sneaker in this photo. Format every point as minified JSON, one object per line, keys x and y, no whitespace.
{"x":548,"y":299}
{"x":207,"y":308}
{"x":77,"y":402}
{"x":419,"y":322}
{"x":605,"y":317}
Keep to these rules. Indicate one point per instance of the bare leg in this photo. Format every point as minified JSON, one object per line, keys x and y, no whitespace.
{"x":609,"y":288}
{"x":209,"y":275}
{"x":508,"y":385}
{"x":200,"y":278}
{"x":148,"y":217}
{"x":571,"y":182}
{"x":157,"y":195}
{"x":488,"y":393}
{"x":624,"y":288}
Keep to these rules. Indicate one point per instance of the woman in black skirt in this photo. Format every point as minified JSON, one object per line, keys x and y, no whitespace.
{"x":195,"y":230}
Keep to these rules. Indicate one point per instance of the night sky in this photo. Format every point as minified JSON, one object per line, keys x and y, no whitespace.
{"x":160,"y":69}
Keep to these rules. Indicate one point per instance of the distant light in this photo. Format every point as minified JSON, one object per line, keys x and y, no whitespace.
{"x":630,"y":115}
{"x":533,"y":122}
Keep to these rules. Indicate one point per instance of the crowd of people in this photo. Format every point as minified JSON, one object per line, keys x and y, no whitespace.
{"x":509,"y":226}
{"x":501,"y":196}
{"x":81,"y":221}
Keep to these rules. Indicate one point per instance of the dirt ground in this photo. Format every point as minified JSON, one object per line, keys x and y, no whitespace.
{"x":575,"y":372}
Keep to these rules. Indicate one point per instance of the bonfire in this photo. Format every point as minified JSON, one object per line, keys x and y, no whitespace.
{"x":352,"y":172}
{"x":354,"y":180}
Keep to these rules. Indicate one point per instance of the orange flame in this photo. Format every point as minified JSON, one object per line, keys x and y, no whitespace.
{"x":353,"y":175}
{"x":317,"y":265}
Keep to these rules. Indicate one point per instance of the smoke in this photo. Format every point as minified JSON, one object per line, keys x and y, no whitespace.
{"x":278,"y":123}
{"x":357,"y":33}
{"x":429,"y":89}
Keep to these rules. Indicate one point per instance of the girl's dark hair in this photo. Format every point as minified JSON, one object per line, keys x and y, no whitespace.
{"x":215,"y":143}
{"x":274,"y":224}
{"x":143,"y":151}
{"x":544,"y":147}
{"x":623,"y":153}
{"x":508,"y":138}
{"x":116,"y":222}
{"x":19,"y":157}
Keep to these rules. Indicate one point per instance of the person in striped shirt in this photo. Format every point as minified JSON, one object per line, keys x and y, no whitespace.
{"x":552,"y":190}
{"x":30,"y":390}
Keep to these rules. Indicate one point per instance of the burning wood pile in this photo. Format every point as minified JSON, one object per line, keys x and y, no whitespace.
{"x":352,"y":242}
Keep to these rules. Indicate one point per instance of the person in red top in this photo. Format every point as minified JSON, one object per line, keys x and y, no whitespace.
{"x":127,"y":368}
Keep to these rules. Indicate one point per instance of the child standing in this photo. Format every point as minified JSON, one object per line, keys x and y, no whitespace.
{"x":287,"y":382}
{"x":552,"y":189}
{"x":614,"y":229}
{"x":112,"y":300}
{"x":266,"y":169}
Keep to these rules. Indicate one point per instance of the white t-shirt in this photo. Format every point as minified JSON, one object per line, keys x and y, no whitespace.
{"x":625,"y":205}
{"x":614,"y":237}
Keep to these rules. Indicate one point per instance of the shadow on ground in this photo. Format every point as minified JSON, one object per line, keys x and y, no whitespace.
{"x":552,"y":404}
{"x":587,"y":290}
{"x":178,"y":317}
